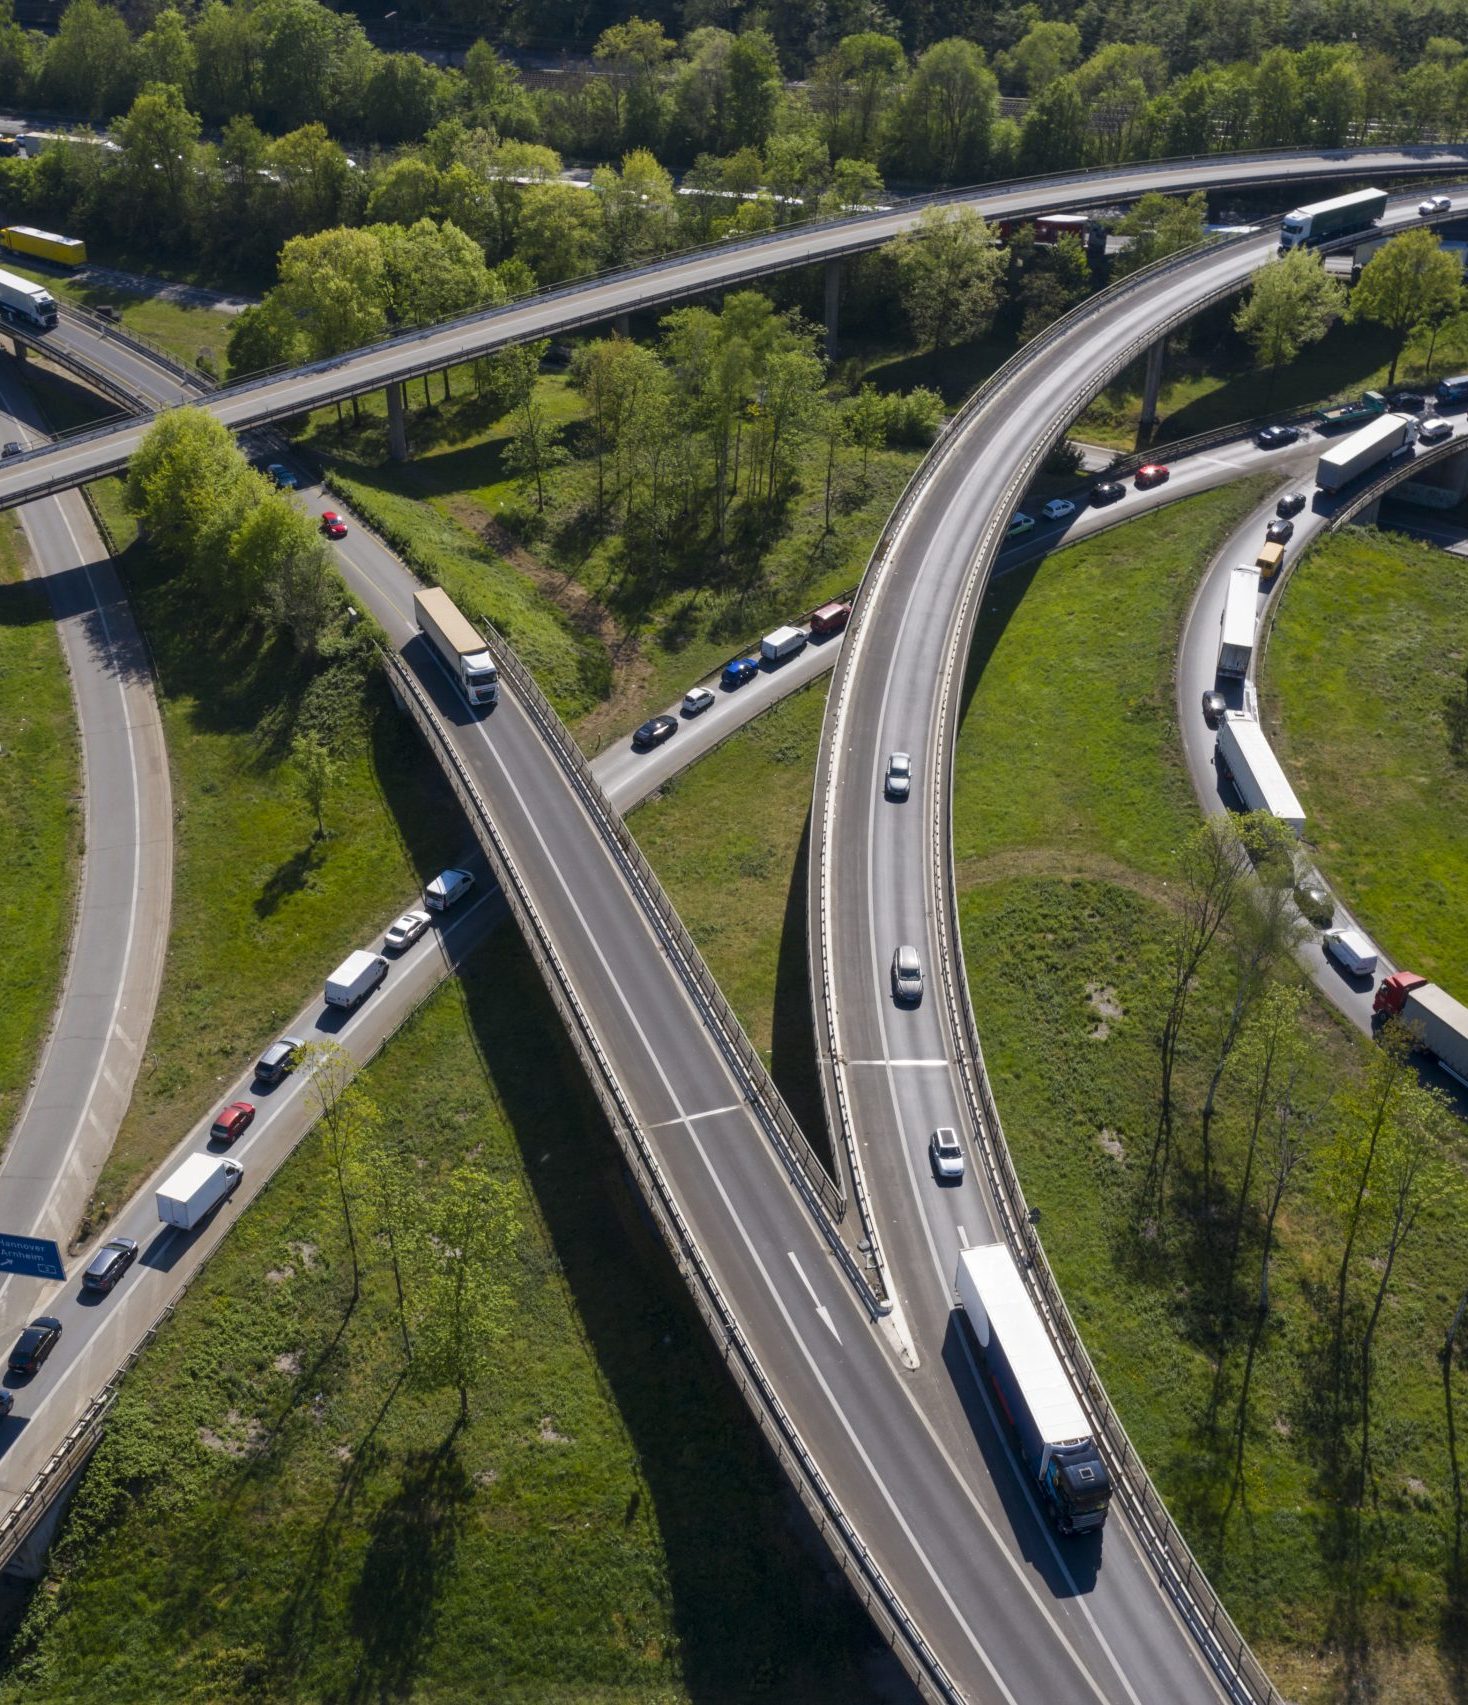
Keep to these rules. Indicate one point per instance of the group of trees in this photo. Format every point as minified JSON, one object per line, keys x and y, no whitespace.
{"x":219,"y":523}
{"x":1375,"y":1151}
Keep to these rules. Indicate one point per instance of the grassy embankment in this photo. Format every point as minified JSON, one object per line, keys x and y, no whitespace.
{"x":40,"y":819}
{"x":611,"y":639}
{"x":1365,"y":678}
{"x":1071,"y":799}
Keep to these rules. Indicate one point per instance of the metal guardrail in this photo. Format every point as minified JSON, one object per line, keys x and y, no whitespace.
{"x":861,"y":1569}
{"x":116,"y":332}
{"x":96,"y":378}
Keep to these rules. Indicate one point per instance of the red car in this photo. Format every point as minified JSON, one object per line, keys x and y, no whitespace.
{"x":231,"y":1122}
{"x":333,"y":525}
{"x":1153,"y":474}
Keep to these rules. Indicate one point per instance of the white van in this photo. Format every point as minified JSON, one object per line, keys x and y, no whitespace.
{"x":447,"y":889}
{"x":355,"y":978}
{"x":1351,"y":949}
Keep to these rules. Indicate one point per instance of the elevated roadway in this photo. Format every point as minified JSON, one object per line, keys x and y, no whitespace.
{"x":719,"y":267}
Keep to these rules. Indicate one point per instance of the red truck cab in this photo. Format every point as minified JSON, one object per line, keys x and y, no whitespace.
{"x":1394,"y":990}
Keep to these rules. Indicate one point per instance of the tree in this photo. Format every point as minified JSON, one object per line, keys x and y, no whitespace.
{"x":346,"y":1118}
{"x":941,"y":125}
{"x":610,"y":373}
{"x":466,"y":1259}
{"x":408,"y":190}
{"x":226,"y":52}
{"x":854,"y":184}
{"x":632,"y":55}
{"x":403,"y":97}
{"x":1276,"y":100}
{"x":165,"y":54}
{"x":639,"y":209}
{"x":335,"y":283}
{"x":271,"y":530}
{"x":867,"y":423}
{"x":189,"y":486}
{"x":753,"y":89}
{"x":559,"y":233}
{"x":432,"y":271}
{"x":159,"y":139}
{"x":88,"y":67}
{"x":1055,"y":280}
{"x":851,"y":89}
{"x":302,"y":595}
{"x":535,"y":447}
{"x":313,"y":179}
{"x":316,"y":775}
{"x":1404,"y":284}
{"x":787,"y":406}
{"x":1055,"y":130}
{"x":264,"y":336}
{"x":950,"y":269}
{"x":496,"y":94}
{"x":1160,"y":225}
{"x":1047,"y":50}
{"x":1291,"y":302}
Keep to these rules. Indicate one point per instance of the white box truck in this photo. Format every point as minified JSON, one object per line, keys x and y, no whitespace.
{"x":1364,"y":449}
{"x":1236,"y":637}
{"x":355,"y":978}
{"x":1350,"y":949}
{"x":1035,"y":1395}
{"x":196,"y":1189}
{"x":1246,"y":757}
{"x":464,"y":653}
{"x":32,"y":304}
{"x":782,"y":643}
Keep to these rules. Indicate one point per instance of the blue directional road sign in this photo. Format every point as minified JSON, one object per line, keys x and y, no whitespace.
{"x":36,"y":1257}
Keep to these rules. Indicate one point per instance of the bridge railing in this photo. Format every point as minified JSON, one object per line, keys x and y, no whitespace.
{"x":117,"y":332}
{"x":861,"y":1569}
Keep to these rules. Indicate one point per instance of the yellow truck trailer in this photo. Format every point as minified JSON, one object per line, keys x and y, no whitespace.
{"x":44,"y":245}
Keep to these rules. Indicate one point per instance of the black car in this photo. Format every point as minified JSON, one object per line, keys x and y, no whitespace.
{"x":654,"y":731}
{"x":1272,"y":437}
{"x":1108,"y":491}
{"x":1406,"y":402}
{"x":12,"y":447}
{"x":108,"y":1265}
{"x":1214,"y":705}
{"x":1291,"y":503}
{"x":1279,"y":532}
{"x":35,"y":1344}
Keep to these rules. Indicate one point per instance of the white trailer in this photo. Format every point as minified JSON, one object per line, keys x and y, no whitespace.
{"x":782,"y":643}
{"x":452,"y":636}
{"x":355,"y":978}
{"x":1236,"y":638}
{"x":1363,"y":449}
{"x":196,"y":1189}
{"x":32,"y":304}
{"x":1246,"y":757}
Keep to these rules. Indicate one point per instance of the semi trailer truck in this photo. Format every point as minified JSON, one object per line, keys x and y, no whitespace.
{"x":463,"y":652}
{"x":1440,"y":1021}
{"x":1246,"y":758}
{"x":191,"y":1193}
{"x":44,"y":245}
{"x":1236,"y":629}
{"x":1338,"y":217}
{"x":32,"y":304}
{"x":1033,"y":1392}
{"x":1373,"y":444}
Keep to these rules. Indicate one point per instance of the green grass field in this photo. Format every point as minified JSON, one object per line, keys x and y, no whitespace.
{"x":40,"y":819}
{"x":261,"y":909}
{"x":1363,"y":677}
{"x":277,"y":1513}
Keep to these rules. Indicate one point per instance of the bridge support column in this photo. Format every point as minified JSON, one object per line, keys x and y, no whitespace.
{"x":397,"y":425}
{"x":1152,"y":385}
{"x":833,"y":307}
{"x":623,"y":325}
{"x":1369,"y":516}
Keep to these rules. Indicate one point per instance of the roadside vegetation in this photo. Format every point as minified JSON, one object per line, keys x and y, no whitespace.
{"x":1077,"y":836}
{"x":558,"y":1495}
{"x":263,"y":903}
{"x":40,"y":819}
{"x":1365,"y":693}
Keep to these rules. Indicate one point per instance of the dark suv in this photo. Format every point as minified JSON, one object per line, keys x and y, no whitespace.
{"x":35,"y":1344}
{"x":278,"y":1059}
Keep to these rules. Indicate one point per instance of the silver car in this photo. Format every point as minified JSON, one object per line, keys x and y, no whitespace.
{"x":907,"y":975}
{"x":405,"y":931}
{"x":946,"y":1152}
{"x":898,"y":783}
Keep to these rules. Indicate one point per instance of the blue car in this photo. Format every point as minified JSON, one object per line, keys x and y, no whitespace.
{"x":739,"y":670}
{"x":282,"y":476}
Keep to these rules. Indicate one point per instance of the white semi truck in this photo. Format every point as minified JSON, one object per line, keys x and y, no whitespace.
{"x":1246,"y":757}
{"x":31,"y":304}
{"x":464,"y":653}
{"x":1371,"y":444}
{"x":1236,"y":637}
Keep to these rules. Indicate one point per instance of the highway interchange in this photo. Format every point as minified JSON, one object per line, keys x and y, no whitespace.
{"x":948,"y":1526}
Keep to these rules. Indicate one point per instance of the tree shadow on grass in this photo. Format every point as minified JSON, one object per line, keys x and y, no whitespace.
{"x":411,"y":1548}
{"x":289,"y":877}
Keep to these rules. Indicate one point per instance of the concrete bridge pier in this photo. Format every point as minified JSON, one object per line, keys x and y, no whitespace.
{"x":833,"y":307}
{"x":623,"y":325}
{"x":1151,"y":386}
{"x":397,"y":424}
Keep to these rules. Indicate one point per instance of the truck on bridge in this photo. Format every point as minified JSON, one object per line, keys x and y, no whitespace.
{"x":1365,"y":449}
{"x":1440,"y":1021}
{"x":1366,"y":407}
{"x":1033,"y":1391}
{"x":1248,"y":760}
{"x":463,"y":653}
{"x":32,"y":304}
{"x":1342,"y":214}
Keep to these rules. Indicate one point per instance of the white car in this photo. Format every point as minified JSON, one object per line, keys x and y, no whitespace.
{"x":946,"y":1152}
{"x":405,"y":931}
{"x":1435,"y":204}
{"x":1019,"y":523}
{"x":697,"y":701}
{"x":1058,"y":508}
{"x":1434,"y":430}
{"x":898,"y":782}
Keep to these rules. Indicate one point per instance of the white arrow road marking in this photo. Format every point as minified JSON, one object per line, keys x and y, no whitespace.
{"x":821,"y":1308}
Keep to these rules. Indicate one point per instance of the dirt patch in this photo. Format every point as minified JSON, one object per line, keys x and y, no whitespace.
{"x":290,"y":1363}
{"x":241,"y":1437}
{"x":305,"y":1253}
{"x":486,"y":1476}
{"x":279,"y":1275}
{"x":548,"y":1434}
{"x":1112,"y":1143}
